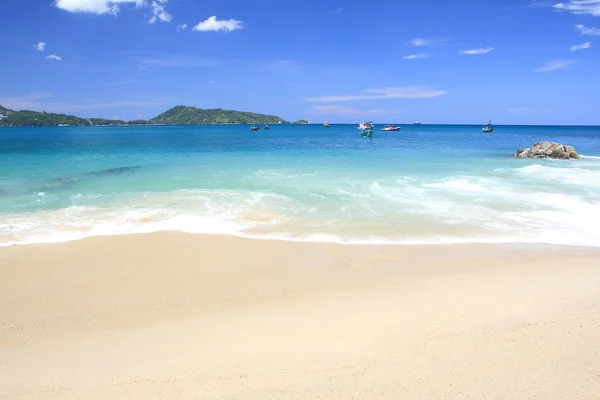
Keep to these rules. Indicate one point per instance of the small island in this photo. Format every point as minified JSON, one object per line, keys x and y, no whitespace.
{"x":301,"y":122}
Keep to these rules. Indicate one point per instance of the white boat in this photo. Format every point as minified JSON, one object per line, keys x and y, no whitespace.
{"x":417,"y":122}
{"x":365,"y":125}
{"x":390,"y":128}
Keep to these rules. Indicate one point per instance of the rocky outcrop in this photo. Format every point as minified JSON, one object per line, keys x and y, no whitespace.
{"x":548,"y":150}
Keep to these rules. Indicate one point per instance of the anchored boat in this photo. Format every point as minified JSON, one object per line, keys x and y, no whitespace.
{"x":489,"y":128}
{"x":366,"y":129}
{"x":390,"y":128}
{"x":254,"y":127}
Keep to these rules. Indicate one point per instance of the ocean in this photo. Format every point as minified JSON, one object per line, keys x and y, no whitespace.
{"x":425,"y":184}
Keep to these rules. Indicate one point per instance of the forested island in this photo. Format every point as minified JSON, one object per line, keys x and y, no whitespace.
{"x":179,"y":115}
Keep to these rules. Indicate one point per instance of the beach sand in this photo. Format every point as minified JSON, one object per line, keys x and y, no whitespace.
{"x":180,"y":316}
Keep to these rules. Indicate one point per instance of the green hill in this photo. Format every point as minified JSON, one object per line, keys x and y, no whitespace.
{"x":183,"y":115}
{"x":180,"y":115}
{"x":34,"y":118}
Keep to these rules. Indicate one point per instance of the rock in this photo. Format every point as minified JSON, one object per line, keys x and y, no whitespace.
{"x":548,"y":150}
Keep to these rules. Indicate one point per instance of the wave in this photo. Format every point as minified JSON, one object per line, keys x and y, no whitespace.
{"x":460,"y":209}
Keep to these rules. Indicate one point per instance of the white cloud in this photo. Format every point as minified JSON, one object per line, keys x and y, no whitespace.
{"x":581,"y":7}
{"x":41,"y":46}
{"x":213,"y":24}
{"x":420,"y":42}
{"x":396,"y":92}
{"x":415,"y":56}
{"x":181,"y":27}
{"x":112,"y":7}
{"x":342,"y":110}
{"x":582,"y":46}
{"x":584,"y":30}
{"x":53,"y":57}
{"x":518,"y":110}
{"x":160,"y":12}
{"x":554,"y":65}
{"x":471,"y":52}
{"x":95,"y":6}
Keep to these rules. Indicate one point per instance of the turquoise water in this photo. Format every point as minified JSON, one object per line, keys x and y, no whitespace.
{"x":424,"y":184}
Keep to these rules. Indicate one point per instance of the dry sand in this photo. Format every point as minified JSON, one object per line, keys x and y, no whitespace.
{"x":176,"y":316}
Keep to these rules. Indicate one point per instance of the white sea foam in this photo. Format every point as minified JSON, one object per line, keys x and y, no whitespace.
{"x":503,"y":207}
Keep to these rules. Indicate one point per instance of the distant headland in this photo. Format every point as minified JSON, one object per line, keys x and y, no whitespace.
{"x":179,"y":115}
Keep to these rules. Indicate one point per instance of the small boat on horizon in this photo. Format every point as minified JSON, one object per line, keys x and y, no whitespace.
{"x":390,"y":128}
{"x":326,"y":125}
{"x":417,"y":122}
{"x":366,"y":129}
{"x":489,"y":128}
{"x":254,"y":127}
{"x":267,"y":127}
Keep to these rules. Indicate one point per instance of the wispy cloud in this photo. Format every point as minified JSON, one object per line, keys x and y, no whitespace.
{"x":396,"y":92}
{"x":518,"y":110}
{"x":342,"y":110}
{"x":124,"y":82}
{"x":215,"y":25}
{"x":473,"y":52}
{"x":179,"y":61}
{"x":181,"y":27}
{"x":580,"y":7}
{"x":282,"y":65}
{"x":584,"y":30}
{"x":159,"y":12}
{"x":554,"y":65}
{"x":37,"y":102}
{"x":53,"y":57}
{"x":420,"y":42}
{"x":338,"y":10}
{"x":41,"y":46}
{"x":112,"y":7}
{"x":582,"y":46}
{"x":28,"y":102}
{"x":416,"y":56}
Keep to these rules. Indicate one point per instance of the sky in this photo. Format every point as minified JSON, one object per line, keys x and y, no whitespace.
{"x":436,"y":61}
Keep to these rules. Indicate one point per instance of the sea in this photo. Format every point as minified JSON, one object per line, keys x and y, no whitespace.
{"x":427,"y":184}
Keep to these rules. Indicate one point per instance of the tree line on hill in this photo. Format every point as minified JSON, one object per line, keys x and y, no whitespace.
{"x":179,"y":115}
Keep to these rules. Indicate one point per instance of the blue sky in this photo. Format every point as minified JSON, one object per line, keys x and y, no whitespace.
{"x":512,"y":61}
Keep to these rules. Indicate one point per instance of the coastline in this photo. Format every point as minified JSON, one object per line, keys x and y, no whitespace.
{"x":176,"y":315}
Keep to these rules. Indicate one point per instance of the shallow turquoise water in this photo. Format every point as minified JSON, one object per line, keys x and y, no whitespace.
{"x":425,"y":184}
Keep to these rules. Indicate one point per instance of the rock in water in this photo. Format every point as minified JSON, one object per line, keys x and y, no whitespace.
{"x":548,"y":150}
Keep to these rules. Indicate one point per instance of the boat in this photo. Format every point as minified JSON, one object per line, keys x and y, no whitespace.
{"x":267,"y":126}
{"x":366,"y":129}
{"x":254,"y":127}
{"x":365,"y":125}
{"x":489,"y":128}
{"x":390,"y":128}
{"x":417,"y":122}
{"x":326,"y":125}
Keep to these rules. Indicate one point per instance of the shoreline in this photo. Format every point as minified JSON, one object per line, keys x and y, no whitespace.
{"x":322,"y":238}
{"x":175,"y":315}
